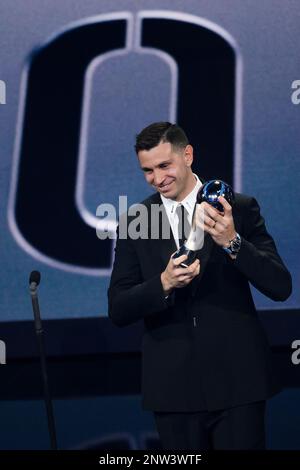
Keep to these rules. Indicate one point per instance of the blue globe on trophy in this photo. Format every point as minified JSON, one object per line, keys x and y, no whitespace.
{"x":211,"y":190}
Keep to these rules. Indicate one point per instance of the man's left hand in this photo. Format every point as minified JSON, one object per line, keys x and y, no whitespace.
{"x":219,"y":225}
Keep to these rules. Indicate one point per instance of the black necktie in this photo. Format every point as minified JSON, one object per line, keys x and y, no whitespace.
{"x":183,"y":224}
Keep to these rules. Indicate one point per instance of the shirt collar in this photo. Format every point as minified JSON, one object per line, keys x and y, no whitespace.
{"x":188,"y":202}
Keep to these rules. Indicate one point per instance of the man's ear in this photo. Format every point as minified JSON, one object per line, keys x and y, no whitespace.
{"x":188,"y":155}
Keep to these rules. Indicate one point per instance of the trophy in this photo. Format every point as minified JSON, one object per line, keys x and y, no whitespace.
{"x":209,"y":192}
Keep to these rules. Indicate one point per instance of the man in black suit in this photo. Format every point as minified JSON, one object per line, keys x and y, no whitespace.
{"x":206,"y":363}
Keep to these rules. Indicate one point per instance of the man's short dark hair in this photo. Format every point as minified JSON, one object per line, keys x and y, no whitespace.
{"x":160,"y":132}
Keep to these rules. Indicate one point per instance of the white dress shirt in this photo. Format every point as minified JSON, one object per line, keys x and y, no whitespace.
{"x":188,"y":202}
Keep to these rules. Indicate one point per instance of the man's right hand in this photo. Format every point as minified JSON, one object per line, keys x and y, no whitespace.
{"x":174,"y":276}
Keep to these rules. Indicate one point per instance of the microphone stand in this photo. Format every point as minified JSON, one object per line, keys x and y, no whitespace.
{"x":39,"y":333}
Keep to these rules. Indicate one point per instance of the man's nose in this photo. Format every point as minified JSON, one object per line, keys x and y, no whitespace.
{"x":158,"y":178}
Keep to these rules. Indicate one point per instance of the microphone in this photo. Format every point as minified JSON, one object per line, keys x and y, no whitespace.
{"x":34,"y":280}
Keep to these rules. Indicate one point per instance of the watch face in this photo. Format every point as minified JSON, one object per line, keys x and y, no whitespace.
{"x":235,"y":245}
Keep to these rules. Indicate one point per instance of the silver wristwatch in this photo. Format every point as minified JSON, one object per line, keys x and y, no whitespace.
{"x":234,"y":245}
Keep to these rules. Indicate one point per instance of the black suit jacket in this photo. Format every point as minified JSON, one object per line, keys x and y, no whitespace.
{"x":203,"y":348}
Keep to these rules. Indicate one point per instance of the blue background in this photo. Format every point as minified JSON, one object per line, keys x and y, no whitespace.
{"x":95,"y":400}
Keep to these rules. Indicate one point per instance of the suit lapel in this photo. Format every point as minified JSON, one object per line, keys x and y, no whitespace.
{"x":167,"y":244}
{"x":203,"y":255}
{"x":205,"y":252}
{"x":164,"y":245}
{"x":167,"y":248}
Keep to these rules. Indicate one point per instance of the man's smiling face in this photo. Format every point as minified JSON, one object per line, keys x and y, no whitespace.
{"x":168,"y":169}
